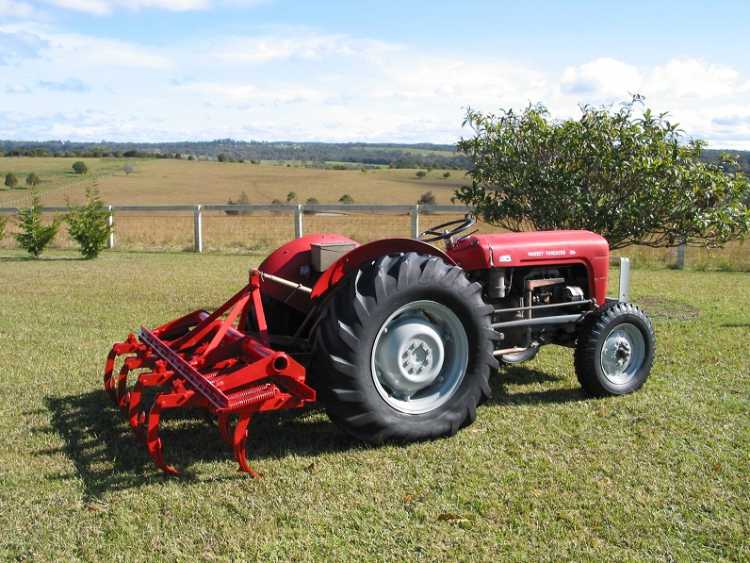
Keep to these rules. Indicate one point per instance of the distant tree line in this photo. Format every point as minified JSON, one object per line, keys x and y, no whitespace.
{"x":227,"y":150}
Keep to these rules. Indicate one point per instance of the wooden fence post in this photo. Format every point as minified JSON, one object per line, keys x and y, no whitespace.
{"x":198,"y":229}
{"x":298,"y":230}
{"x":111,"y":224}
{"x":414,"y":213}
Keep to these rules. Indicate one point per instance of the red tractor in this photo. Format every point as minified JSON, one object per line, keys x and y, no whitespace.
{"x":396,"y":338}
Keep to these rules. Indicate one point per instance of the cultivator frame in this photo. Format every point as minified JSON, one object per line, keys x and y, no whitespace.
{"x":214,"y":362}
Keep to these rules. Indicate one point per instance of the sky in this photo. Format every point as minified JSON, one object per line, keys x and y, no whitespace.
{"x":376,"y":71}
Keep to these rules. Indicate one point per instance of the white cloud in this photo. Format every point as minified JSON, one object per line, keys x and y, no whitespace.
{"x":304,"y":45}
{"x":13,"y":9}
{"x":601,"y":78}
{"x":103,"y":7}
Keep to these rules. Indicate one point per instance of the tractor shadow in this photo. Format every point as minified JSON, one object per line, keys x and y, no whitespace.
{"x":501,"y":379}
{"x":108,"y":457}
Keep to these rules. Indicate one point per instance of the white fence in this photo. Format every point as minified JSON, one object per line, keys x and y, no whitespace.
{"x":296,"y":212}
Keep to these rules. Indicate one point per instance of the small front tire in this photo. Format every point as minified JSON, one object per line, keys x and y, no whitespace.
{"x":615,"y":350}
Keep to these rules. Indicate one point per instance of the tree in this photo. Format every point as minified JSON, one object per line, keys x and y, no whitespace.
{"x":421,"y":173}
{"x":10,"y":180}
{"x":625,"y":174}
{"x":128,"y":169}
{"x":446,"y":174}
{"x":346,"y":198}
{"x":291,"y":197}
{"x":427,"y":198}
{"x":312,"y":201}
{"x":32,"y":180}
{"x":35,"y":236}
{"x":223,"y":157}
{"x":88,"y":224}
{"x":79,"y":167}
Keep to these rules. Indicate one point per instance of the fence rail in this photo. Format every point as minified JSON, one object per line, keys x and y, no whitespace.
{"x":296,"y":211}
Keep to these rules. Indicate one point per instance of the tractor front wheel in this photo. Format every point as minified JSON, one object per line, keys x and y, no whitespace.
{"x":615,"y":350}
{"x":403,"y":351}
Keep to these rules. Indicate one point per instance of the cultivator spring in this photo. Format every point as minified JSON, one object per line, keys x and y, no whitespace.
{"x":210,"y":362}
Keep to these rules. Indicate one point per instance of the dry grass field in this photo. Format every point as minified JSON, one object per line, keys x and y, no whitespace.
{"x":162,"y":182}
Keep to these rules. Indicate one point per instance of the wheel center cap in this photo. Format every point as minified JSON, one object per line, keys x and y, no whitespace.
{"x":410,"y":356}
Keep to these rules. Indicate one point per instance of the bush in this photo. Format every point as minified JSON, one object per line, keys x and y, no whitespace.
{"x":3,"y":223}
{"x":427,"y":198}
{"x":32,"y":180}
{"x":446,"y":175}
{"x":10,"y":180}
{"x":627,"y":174}
{"x":128,"y":169}
{"x":88,"y":225}
{"x":421,"y":173}
{"x":242,"y":200}
{"x":291,"y":197}
{"x":346,"y":198}
{"x":79,"y":167}
{"x":35,"y":236}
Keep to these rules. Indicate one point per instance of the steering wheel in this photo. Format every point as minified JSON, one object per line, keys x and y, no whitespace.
{"x":448,"y":230}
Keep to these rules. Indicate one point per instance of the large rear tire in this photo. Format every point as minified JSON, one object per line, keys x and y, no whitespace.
{"x":615,"y":350}
{"x":403,"y":350}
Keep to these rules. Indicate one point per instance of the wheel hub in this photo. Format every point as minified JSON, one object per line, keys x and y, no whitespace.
{"x":410,"y":356}
{"x":623,"y":353}
{"x":419,"y":357}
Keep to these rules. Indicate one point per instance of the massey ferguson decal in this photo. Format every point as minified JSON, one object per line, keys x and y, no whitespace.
{"x":551,"y":253}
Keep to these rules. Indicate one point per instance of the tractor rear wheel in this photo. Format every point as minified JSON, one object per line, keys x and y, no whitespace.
{"x":615,"y":350}
{"x":404,"y":349}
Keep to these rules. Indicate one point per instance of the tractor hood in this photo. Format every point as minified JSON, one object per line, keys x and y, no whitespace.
{"x":479,"y":252}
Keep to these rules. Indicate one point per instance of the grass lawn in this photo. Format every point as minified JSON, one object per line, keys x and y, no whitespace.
{"x":544,"y":473}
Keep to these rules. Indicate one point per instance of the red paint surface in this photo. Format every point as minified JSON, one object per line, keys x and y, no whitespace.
{"x":539,"y":248}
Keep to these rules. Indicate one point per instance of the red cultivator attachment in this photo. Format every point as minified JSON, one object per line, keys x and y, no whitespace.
{"x":207,"y":361}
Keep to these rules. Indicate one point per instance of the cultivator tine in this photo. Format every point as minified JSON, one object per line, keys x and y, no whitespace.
{"x":153,"y":442}
{"x":136,"y":415}
{"x":226,"y":433}
{"x":123,"y":395}
{"x":239,"y":444}
{"x":130,"y":345}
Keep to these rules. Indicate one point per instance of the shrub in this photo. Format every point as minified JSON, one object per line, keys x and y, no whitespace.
{"x":35,"y":236}
{"x":427,"y":198}
{"x":291,"y":197}
{"x":346,"y":198}
{"x":627,"y":174}
{"x":312,"y":201}
{"x":128,"y":169}
{"x":79,"y":167}
{"x":242,"y":200}
{"x":421,"y":173}
{"x":446,"y":174}
{"x":3,"y":222}
{"x":32,"y":180}
{"x":88,"y":225}
{"x":10,"y":180}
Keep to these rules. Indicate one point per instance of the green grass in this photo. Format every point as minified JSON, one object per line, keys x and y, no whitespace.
{"x":543,"y":473}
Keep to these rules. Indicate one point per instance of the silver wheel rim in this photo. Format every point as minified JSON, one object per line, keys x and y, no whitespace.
{"x":419,"y":357}
{"x":623,"y":353}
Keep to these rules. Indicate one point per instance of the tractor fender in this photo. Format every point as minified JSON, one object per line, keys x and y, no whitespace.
{"x":370,"y":251}
{"x":292,"y":261}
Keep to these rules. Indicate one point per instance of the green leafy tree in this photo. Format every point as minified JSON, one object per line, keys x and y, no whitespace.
{"x":346,"y":198}
{"x":79,"y":167}
{"x":10,"y":180}
{"x":446,"y":174}
{"x":624,"y":173}
{"x":421,"y":173}
{"x":291,"y":197}
{"x":427,"y":198}
{"x":35,"y":236}
{"x":32,"y":180}
{"x":88,"y":224}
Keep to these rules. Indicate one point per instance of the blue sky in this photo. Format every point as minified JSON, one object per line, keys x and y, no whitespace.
{"x":155,"y":70}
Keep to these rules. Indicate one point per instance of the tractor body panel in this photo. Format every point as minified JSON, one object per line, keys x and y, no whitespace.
{"x":537,"y":249}
{"x":370,"y":251}
{"x":293,"y":261}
